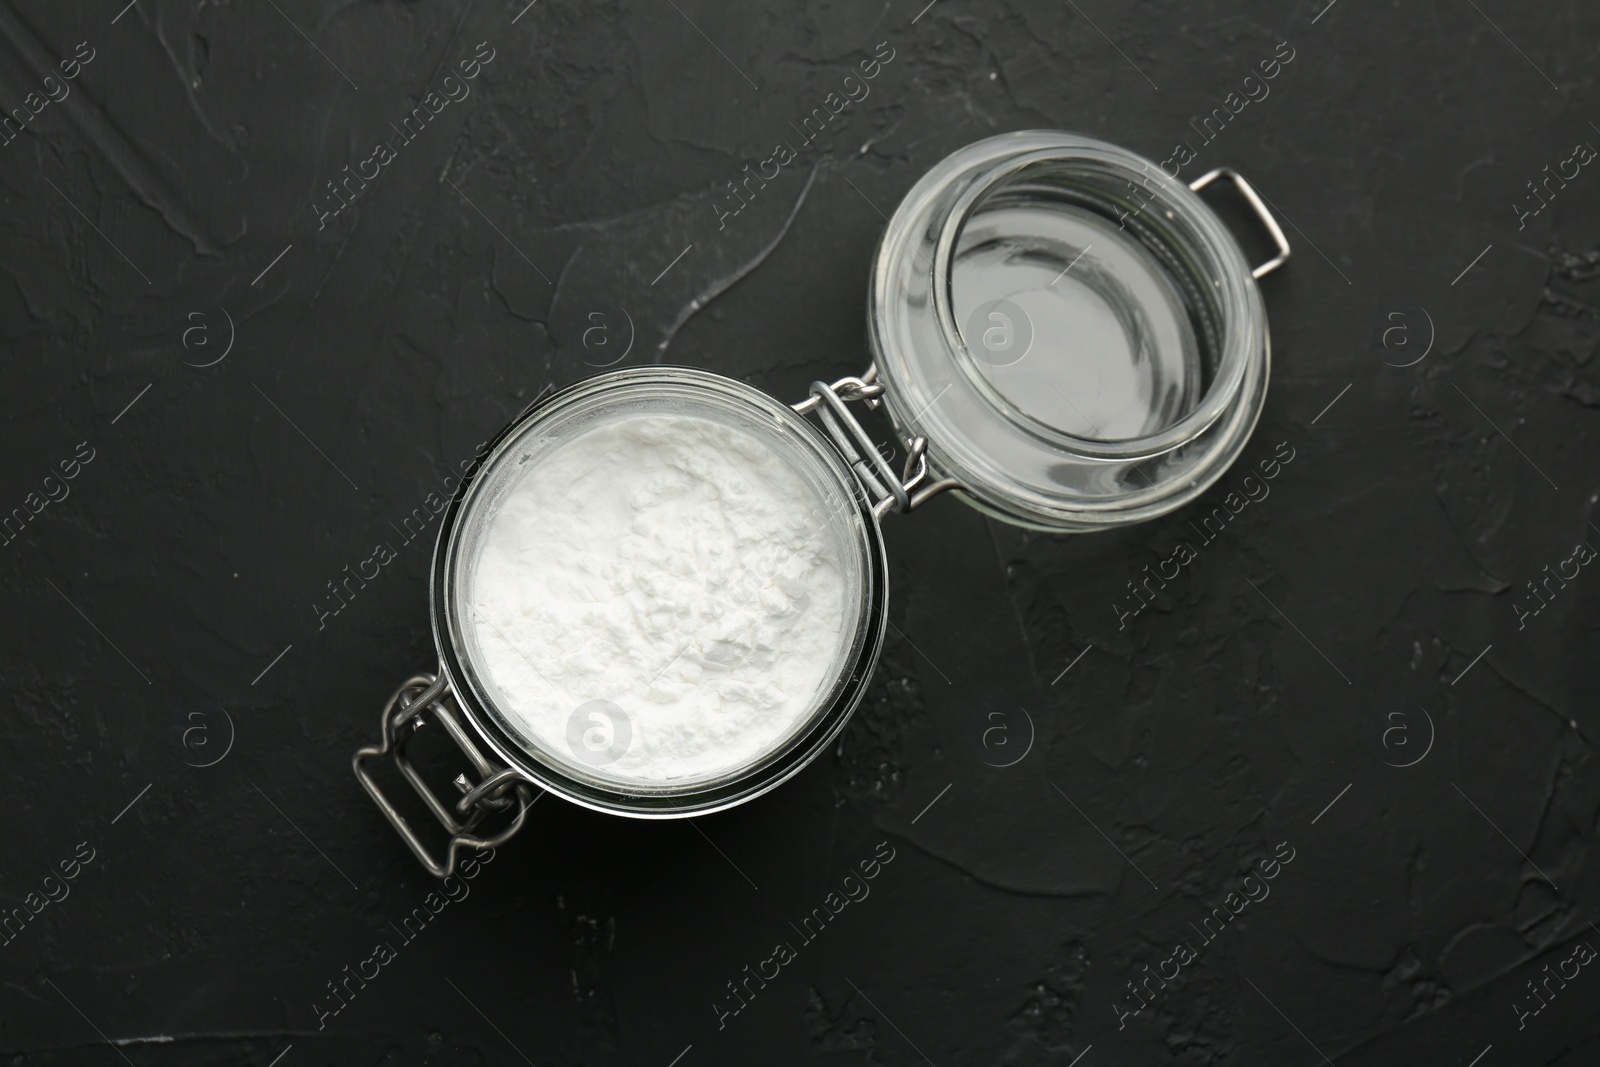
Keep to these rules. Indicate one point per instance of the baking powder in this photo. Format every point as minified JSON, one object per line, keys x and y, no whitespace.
{"x":661,"y":598}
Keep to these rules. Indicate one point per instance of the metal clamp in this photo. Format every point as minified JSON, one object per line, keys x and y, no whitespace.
{"x":888,"y":490}
{"x":497,"y":790}
{"x":1254,"y":198}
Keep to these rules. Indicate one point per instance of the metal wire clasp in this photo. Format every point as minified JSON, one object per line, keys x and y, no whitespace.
{"x":888,"y":491}
{"x":1253,"y":198}
{"x":498,"y":789}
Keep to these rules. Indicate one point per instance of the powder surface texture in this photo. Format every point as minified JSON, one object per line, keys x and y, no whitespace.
{"x":678,"y":570}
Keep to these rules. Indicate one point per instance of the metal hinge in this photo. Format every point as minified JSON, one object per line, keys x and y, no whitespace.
{"x":889,"y":491}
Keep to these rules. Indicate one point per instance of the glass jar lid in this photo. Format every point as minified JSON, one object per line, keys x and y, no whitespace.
{"x":1076,"y":333}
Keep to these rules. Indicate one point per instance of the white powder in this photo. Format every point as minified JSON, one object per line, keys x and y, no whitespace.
{"x":680,"y":570}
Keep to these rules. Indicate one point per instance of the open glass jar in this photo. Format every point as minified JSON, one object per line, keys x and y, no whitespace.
{"x":1061,"y":333}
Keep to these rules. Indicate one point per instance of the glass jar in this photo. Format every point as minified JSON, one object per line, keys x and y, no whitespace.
{"x":1061,"y":333}
{"x":1115,"y":391}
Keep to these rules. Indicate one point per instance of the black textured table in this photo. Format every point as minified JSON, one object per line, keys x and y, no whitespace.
{"x":273,"y":271}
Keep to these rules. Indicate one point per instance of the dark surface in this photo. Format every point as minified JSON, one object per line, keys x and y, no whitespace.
{"x":198,"y":543}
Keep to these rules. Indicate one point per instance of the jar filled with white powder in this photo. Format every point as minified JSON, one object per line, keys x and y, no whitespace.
{"x":655,"y":586}
{"x":663,"y":592}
